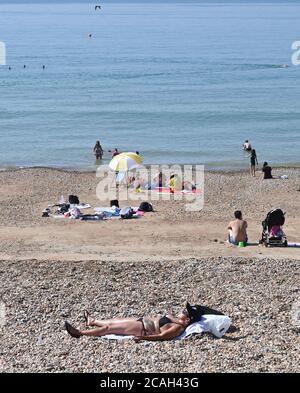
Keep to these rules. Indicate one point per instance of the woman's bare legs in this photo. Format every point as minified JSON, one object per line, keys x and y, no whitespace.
{"x":100,"y":331}
{"x":124,"y":326}
{"x":92,"y":321}
{"x":116,"y":326}
{"x":101,"y":322}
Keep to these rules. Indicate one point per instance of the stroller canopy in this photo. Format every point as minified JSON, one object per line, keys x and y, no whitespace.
{"x":274,"y":217}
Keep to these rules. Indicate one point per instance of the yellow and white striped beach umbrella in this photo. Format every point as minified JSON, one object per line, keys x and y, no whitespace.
{"x":123,"y":162}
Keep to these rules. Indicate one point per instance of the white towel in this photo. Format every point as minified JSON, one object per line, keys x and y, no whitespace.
{"x":110,"y":209}
{"x":290,"y":244}
{"x":215,"y":324}
{"x":80,"y":206}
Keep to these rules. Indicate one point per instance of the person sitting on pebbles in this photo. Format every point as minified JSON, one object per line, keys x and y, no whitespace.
{"x":237,"y":229}
{"x":267,"y":171}
{"x":167,"y":327}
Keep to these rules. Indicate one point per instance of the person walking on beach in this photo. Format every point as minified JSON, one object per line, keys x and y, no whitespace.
{"x":98,"y":151}
{"x":173,"y":183}
{"x":237,"y":229}
{"x":159,"y":180}
{"x":253,"y":162}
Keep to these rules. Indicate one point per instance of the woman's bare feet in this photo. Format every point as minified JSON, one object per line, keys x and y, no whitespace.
{"x":89,"y":320}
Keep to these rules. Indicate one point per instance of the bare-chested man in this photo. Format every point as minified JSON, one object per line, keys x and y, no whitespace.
{"x":238,"y":229}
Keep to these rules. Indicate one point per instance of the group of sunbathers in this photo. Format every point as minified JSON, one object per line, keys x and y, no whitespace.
{"x":160,"y":181}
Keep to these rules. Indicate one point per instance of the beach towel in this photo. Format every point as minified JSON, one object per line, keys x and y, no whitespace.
{"x":63,"y":211}
{"x":214,"y":324}
{"x":80,"y":206}
{"x":108,"y":211}
{"x":167,"y":190}
{"x":293,"y":244}
{"x":113,"y":211}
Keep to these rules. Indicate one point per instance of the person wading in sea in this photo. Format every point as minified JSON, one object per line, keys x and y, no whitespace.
{"x":98,"y":151}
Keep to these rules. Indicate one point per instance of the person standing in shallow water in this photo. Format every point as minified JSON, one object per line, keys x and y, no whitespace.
{"x":115,"y":153}
{"x":247,"y":146}
{"x":98,"y":151}
{"x":253,"y":162}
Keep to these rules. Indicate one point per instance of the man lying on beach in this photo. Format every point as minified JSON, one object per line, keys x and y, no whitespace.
{"x":237,"y":229}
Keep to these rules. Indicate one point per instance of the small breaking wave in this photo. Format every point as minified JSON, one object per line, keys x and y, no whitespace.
{"x":263,"y":66}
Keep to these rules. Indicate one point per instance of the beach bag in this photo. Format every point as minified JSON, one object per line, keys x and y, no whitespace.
{"x":46,"y":212}
{"x":114,"y":202}
{"x":73,"y":200}
{"x":196,"y":311}
{"x":126,"y":212}
{"x":146,"y":207}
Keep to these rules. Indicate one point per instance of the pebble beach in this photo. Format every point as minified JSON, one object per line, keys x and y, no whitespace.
{"x":52,"y":270}
{"x":200,"y":91}
{"x":257,"y":295}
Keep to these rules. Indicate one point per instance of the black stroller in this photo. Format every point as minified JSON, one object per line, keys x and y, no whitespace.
{"x":273,"y":235}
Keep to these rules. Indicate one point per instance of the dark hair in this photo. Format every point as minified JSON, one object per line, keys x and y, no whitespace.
{"x":246,"y":141}
{"x":253,"y":153}
{"x":196,"y":311}
{"x":238,"y":214}
{"x":265,"y":163}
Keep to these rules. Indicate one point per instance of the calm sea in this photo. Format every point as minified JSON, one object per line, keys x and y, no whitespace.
{"x":180,"y":83}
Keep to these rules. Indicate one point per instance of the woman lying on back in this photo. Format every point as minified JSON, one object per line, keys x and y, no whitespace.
{"x":145,"y":328}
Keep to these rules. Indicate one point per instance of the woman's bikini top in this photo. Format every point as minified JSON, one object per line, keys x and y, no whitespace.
{"x":163,"y":321}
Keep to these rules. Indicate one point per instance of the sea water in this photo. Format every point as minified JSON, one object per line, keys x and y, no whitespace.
{"x":180,"y":83}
